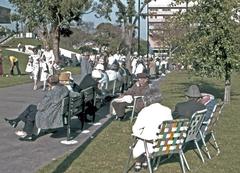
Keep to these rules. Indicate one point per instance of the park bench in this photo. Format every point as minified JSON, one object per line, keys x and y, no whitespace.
{"x":113,"y":88}
{"x":77,"y":104}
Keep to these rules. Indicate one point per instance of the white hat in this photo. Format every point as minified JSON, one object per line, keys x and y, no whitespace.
{"x":99,"y":67}
{"x":96,"y":74}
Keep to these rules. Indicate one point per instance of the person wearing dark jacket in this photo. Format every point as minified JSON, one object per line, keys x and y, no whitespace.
{"x":188,"y":108}
{"x":126,"y":99}
{"x":45,"y":115}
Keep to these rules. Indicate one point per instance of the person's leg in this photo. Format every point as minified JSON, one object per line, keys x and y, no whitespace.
{"x":31,"y":109}
{"x":35,"y":84}
{"x":11,"y":70}
{"x":119,"y":108}
{"x":18,"y":69}
{"x":44,"y":85}
{"x":29,"y":126}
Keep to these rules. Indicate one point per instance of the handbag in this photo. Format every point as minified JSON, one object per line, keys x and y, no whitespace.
{"x":29,"y":67}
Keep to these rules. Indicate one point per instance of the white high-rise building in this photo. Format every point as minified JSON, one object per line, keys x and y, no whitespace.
{"x":158,"y":11}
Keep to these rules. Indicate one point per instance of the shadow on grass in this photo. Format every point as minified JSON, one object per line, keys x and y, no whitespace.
{"x":205,"y":87}
{"x":65,"y":164}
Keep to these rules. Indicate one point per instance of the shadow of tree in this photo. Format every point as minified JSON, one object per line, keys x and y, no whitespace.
{"x":206,"y":87}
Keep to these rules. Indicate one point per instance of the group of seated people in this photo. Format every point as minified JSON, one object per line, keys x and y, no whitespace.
{"x":116,"y":71}
{"x":47,"y":113}
{"x":150,"y":117}
{"x":151,"y":113}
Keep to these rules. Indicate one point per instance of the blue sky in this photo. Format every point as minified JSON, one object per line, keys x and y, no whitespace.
{"x":89,"y":17}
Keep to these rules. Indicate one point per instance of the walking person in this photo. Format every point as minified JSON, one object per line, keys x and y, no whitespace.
{"x":44,"y":72}
{"x":50,"y":59}
{"x":36,"y":65}
{"x":86,"y":67}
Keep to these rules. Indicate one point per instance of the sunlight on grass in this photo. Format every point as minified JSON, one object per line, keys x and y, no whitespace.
{"x":24,"y":78}
{"x":108,"y":151}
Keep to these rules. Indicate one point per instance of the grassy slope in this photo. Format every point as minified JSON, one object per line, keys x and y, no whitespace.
{"x":108,"y":152}
{"x":23,"y":58}
{"x":25,"y":41}
{"x":14,"y":80}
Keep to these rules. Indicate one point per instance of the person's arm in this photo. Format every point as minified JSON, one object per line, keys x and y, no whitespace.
{"x":11,"y":62}
{"x":175,"y":113}
{"x":139,"y":125}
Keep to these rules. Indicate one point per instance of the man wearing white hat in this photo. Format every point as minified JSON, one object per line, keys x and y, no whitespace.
{"x":103,"y":81}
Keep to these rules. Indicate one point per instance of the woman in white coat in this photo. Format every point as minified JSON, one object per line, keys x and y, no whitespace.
{"x":44,"y":72}
{"x":146,"y":127}
{"x":35,"y":58}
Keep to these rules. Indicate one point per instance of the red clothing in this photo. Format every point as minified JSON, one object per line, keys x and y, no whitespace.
{"x":1,"y":65}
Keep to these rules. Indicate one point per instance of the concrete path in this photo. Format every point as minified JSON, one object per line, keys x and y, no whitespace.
{"x":27,"y":157}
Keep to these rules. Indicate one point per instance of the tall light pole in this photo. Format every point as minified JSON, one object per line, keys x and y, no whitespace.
{"x":139,"y":3}
{"x":147,"y":32}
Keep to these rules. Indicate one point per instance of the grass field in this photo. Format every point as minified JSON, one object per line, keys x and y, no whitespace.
{"x":108,"y":151}
{"x":24,"y":41}
{"x":24,"y":78}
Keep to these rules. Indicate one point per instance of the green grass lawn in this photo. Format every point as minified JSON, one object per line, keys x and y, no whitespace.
{"x":25,"y":41}
{"x":24,"y":78}
{"x":108,"y":151}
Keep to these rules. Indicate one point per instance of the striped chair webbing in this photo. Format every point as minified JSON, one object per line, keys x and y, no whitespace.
{"x":195,"y":124}
{"x":214,"y":118}
{"x":206,"y":123}
{"x":171,"y":137}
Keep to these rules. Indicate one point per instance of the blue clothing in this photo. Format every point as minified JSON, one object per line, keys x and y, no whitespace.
{"x":210,"y":106}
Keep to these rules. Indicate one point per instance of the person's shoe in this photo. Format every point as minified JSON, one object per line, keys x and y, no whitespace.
{"x":137,"y":167}
{"x":87,"y":120}
{"x":21,"y":133}
{"x":144,"y":165}
{"x":37,"y":131}
{"x":28,"y":138}
{"x":35,"y":87}
{"x":13,"y":123}
{"x":119,"y":118}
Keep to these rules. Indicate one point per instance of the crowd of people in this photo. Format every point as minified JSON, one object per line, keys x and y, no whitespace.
{"x":98,"y":71}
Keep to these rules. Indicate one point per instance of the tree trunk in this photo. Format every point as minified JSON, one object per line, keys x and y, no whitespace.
{"x":43,"y":35}
{"x":227,"y":92}
{"x":129,"y":43}
{"x":56,"y":42}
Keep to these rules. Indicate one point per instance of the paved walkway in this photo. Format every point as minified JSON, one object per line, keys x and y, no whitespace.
{"x":27,"y":157}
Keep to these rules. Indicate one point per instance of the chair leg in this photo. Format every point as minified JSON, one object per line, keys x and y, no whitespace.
{"x":185,"y":161}
{"x":157,"y":163}
{"x":182,"y":162}
{"x":215,"y":142}
{"x":204,"y":143}
{"x":133,"y":110}
{"x":128,"y":161}
{"x":148,"y":158}
{"x":199,"y":151}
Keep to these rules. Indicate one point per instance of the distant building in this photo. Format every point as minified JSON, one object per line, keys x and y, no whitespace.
{"x":158,"y":11}
{"x":4,"y":15}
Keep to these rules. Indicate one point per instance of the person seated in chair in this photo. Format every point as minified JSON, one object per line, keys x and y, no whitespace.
{"x":126,"y":99}
{"x":146,"y":127}
{"x":45,"y":115}
{"x":210,"y":102}
{"x":188,"y":108}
